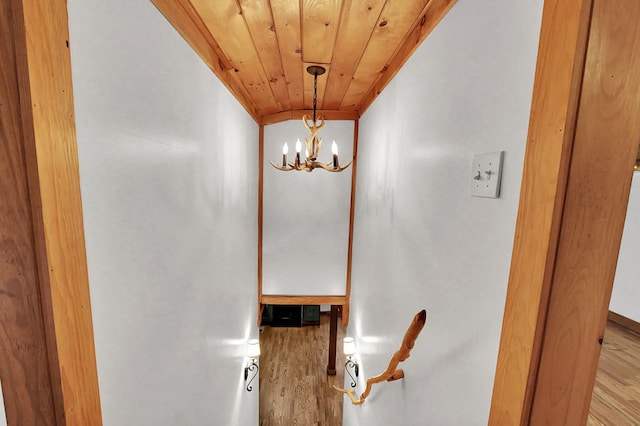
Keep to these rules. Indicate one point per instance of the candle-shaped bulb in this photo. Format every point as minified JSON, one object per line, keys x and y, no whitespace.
{"x":285,"y":150}
{"x":298,"y":148}
{"x":334,"y":150}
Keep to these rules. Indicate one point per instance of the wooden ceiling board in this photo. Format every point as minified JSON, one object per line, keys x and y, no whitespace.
{"x":394,"y":23}
{"x":359,"y":18}
{"x":428,"y":20}
{"x":259,"y":21}
{"x":320,"y":19}
{"x":187,"y":22}
{"x":227,"y":26}
{"x":286,"y":19}
{"x":260,"y":49}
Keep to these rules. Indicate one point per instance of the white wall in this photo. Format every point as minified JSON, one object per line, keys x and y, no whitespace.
{"x":421,"y":241}
{"x":168,"y":164}
{"x":306,"y":215}
{"x":625,"y":299}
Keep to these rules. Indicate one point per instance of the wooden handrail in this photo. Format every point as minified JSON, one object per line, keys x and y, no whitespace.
{"x":392,"y":372}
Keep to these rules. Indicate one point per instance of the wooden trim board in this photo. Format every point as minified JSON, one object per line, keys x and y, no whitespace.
{"x":58,"y":281}
{"x":554,"y":104}
{"x":605,"y":145}
{"x":302,"y":300}
{"x":352,"y":208}
{"x":333,"y":341}
{"x":32,"y":387}
{"x":297,"y":115}
{"x":624,"y":322}
{"x":260,"y":216}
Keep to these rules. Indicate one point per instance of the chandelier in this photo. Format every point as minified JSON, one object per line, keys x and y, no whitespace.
{"x":313,"y":143}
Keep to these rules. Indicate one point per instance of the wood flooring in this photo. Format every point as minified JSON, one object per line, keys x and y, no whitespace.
{"x":616,"y":395}
{"x":294,"y":386}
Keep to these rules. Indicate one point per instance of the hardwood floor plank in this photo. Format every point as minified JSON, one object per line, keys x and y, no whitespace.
{"x":294,"y":386}
{"x":616,"y":394}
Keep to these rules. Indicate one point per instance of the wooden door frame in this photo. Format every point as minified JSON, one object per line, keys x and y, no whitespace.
{"x":581,"y":148}
{"x":48,"y":367}
{"x":61,"y":266}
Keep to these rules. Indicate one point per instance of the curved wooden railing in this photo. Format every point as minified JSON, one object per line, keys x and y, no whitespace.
{"x":392,"y":372}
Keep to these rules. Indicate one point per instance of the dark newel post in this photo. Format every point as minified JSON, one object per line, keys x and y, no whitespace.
{"x":333,"y":335}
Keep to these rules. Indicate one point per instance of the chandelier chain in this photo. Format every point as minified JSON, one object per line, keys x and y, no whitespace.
{"x":315,"y":95}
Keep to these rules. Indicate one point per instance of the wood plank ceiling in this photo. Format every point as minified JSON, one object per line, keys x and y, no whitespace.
{"x":260,"y":49}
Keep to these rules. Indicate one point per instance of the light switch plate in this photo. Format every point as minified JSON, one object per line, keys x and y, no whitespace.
{"x":486,"y":173}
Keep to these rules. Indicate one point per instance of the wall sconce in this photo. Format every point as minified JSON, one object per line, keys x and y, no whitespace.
{"x":349,"y":349}
{"x":253,"y":352}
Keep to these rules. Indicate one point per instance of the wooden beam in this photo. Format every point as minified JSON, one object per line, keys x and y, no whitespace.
{"x":260,"y":215}
{"x":297,"y":115}
{"x":562,"y":46}
{"x":49,"y":103}
{"x":597,"y":195}
{"x":333,"y":337}
{"x":352,"y":208}
{"x":581,"y":148}
{"x":59,"y":279}
{"x":303,"y":300}
{"x":32,"y":391}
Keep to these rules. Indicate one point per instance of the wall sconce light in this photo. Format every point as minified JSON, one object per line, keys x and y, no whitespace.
{"x":349,"y":349}
{"x":253,"y":352}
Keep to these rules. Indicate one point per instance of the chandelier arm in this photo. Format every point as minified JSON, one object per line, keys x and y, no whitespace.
{"x":313,"y":149}
{"x":305,"y":120}
{"x":301,"y":166}
{"x":284,"y":169}
{"x":314,"y":125}
{"x":329,"y":166}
